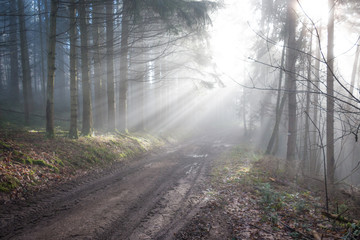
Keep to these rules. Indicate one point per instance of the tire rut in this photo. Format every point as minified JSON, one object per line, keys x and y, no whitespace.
{"x":146,"y":199}
{"x":20,"y":215}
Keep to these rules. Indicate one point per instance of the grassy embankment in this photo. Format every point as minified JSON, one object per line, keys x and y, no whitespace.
{"x":251,"y":197}
{"x":30,"y":162}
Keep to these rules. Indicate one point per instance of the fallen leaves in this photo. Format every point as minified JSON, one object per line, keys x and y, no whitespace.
{"x":255,"y":205}
{"x":29,"y":162}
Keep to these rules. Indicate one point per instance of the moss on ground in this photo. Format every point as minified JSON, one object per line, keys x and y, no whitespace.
{"x":28,"y":159}
{"x":244,"y":178}
{"x":8,"y":183}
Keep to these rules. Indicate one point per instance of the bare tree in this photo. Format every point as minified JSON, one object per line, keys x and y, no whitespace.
{"x":73,"y":132}
{"x":291,"y":83}
{"x":110,"y":65}
{"x":330,"y":159}
{"x":280,"y":103}
{"x":122,"y":121}
{"x":305,"y":158}
{"x":25,"y":64}
{"x":86,"y":87}
{"x":14,"y":61}
{"x":50,"y":130}
{"x":99,"y":84}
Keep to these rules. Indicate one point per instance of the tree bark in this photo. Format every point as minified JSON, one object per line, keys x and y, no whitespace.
{"x":244,"y":112}
{"x":27,"y":91}
{"x":142,"y":99}
{"x":280,"y":103}
{"x":42,"y":54}
{"x":354,"y":70}
{"x":98,"y":81}
{"x":14,"y":60}
{"x":86,"y":88}
{"x":122,"y":122}
{"x":314,"y":156}
{"x":110,"y":65}
{"x":330,"y":159}
{"x":291,"y":85}
{"x":73,"y":132}
{"x":305,"y":158}
{"x":50,"y":130}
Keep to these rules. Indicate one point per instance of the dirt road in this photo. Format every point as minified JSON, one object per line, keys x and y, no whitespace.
{"x":150,"y":198}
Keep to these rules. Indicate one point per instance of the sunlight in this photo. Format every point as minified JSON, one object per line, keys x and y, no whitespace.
{"x":316,"y":10}
{"x":228,"y":37}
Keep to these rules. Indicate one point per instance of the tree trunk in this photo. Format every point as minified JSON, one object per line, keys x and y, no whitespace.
{"x":330,"y":159}
{"x":42,"y":64}
{"x":50,"y":131}
{"x":14,"y":61}
{"x":110,"y":65}
{"x":60,"y":79}
{"x":305,"y":158}
{"x":86,"y":88}
{"x":27,"y":91}
{"x":124,"y":68}
{"x":73,"y":132}
{"x":314,"y":156}
{"x":280,"y":103}
{"x":291,"y":86}
{"x":98,"y":81}
{"x":244,"y":112}
{"x":354,"y":70}
{"x":143,"y":82}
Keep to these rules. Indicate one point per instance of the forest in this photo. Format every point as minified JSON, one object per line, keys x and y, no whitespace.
{"x":191,"y":99}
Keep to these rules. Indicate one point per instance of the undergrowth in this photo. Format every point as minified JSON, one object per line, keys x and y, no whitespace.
{"x":29,"y":161}
{"x":281,"y":202}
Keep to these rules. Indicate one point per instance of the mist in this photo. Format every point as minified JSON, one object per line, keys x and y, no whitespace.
{"x":259,"y":73}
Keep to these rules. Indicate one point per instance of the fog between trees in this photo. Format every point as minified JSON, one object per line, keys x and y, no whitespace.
{"x":281,"y":74}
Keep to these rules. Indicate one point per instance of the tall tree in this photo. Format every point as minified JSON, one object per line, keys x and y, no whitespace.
{"x":314,"y":160}
{"x":25,"y":62}
{"x":98,"y":76}
{"x":122,"y":121}
{"x":355,"y":69}
{"x":330,"y":158}
{"x":14,"y":61}
{"x":175,"y":14}
{"x":291,"y":83}
{"x":73,"y":132}
{"x":42,"y":64}
{"x":50,"y":130}
{"x":280,"y":103}
{"x":305,"y":159}
{"x":86,"y":87}
{"x":110,"y":65}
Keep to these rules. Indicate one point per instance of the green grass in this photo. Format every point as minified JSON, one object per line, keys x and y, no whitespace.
{"x":39,"y":160}
{"x":9,"y":183}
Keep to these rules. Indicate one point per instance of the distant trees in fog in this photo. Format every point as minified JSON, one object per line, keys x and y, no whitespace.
{"x":102,"y":60}
{"x":300,"y":47}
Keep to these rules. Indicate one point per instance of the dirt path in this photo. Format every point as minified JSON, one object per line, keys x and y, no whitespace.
{"x":150,"y":198}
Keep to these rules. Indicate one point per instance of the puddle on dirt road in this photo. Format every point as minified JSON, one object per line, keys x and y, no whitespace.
{"x":197,"y":156}
{"x":175,"y":201}
{"x":192,"y":168}
{"x":222,"y":145}
{"x":159,"y":164}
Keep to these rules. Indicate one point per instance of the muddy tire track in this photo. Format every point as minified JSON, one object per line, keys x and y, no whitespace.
{"x":150,"y":198}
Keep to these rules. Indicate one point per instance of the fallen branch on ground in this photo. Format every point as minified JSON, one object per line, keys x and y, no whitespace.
{"x":339,"y":218}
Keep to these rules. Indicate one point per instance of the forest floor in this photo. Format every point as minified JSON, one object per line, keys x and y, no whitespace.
{"x":30,"y":163}
{"x":114,"y":187}
{"x":149,"y":197}
{"x":249,"y":198}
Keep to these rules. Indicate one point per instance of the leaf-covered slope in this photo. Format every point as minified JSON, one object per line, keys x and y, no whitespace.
{"x":251,"y":198}
{"x":30,"y":162}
